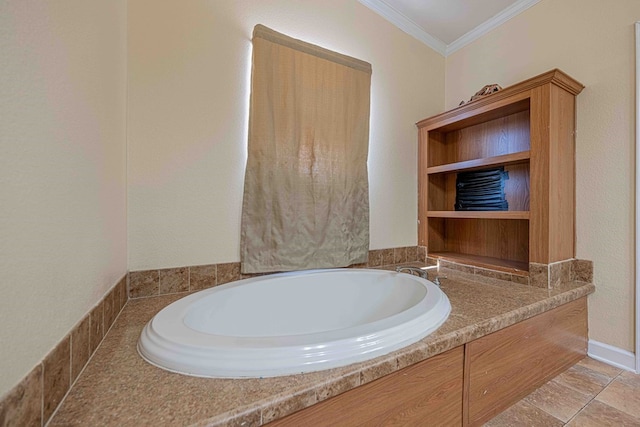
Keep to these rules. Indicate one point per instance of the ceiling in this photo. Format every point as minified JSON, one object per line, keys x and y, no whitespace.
{"x":448,"y":25}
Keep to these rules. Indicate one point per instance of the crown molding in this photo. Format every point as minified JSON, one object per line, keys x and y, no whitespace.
{"x":405,"y":24}
{"x":413,"y":29}
{"x":488,"y":25}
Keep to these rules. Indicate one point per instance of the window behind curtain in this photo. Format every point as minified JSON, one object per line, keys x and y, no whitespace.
{"x":306,"y":191}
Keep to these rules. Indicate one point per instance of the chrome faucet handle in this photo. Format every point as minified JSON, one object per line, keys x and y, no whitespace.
{"x":436,"y":281}
{"x":420,"y":272}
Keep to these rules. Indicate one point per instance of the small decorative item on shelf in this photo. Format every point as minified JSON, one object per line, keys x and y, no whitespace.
{"x":486,"y":90}
{"x":481,"y":190}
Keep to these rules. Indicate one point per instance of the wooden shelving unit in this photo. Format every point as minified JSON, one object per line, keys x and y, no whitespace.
{"x":529,"y":129}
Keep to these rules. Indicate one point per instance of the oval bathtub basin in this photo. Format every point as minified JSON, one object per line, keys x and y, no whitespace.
{"x":291,"y":323}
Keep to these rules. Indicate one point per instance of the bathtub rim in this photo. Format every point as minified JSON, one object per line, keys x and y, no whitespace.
{"x":258,"y":359}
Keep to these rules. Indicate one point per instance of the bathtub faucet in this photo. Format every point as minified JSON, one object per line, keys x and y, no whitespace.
{"x":420,"y":272}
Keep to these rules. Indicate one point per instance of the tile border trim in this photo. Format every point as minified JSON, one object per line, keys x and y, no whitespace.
{"x":36,"y":397}
{"x":545,"y":276}
{"x":166,"y":281}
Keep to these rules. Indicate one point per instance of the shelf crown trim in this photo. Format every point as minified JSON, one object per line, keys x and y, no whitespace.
{"x":555,"y":76}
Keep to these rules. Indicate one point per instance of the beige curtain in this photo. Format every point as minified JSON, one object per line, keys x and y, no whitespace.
{"x":306,"y":191}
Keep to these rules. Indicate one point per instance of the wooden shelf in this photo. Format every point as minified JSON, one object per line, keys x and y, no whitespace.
{"x":514,"y":267}
{"x":479,"y":214}
{"x":504,"y":159}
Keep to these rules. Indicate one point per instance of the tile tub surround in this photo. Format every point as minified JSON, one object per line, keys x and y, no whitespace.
{"x":545,"y":276}
{"x":33,"y":400}
{"x":167,"y":281}
{"x":119,"y":388}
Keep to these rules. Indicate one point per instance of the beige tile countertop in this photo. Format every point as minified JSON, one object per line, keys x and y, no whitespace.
{"x":118,"y":388}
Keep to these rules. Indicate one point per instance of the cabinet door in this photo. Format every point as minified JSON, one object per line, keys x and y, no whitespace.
{"x":505,"y":366}
{"x":427,"y":393}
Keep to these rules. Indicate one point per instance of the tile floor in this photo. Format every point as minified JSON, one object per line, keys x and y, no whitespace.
{"x":588,"y":394}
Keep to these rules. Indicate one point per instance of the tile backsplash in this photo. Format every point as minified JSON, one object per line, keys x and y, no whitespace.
{"x":546,"y":276}
{"x":147,"y":283}
{"x":33,"y":400}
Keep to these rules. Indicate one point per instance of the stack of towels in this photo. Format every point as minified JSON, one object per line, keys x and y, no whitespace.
{"x":481,"y":190}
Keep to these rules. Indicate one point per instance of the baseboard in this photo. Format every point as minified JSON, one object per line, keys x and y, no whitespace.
{"x":611,"y":355}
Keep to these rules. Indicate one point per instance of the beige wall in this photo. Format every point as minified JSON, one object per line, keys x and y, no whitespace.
{"x":593,"y":41}
{"x":189,"y":71}
{"x":62,"y":170}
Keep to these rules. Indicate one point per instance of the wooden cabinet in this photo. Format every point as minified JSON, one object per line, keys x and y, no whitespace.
{"x":505,"y":366}
{"x":467,"y":385}
{"x":529,"y":129}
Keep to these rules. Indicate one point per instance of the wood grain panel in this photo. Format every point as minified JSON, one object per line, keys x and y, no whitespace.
{"x":437,"y":148}
{"x":437,"y":235}
{"x":561,"y":175}
{"x":507,"y":365}
{"x":552,"y":163}
{"x":539,"y":169}
{"x":504,"y":135}
{"x":423,"y":186}
{"x":506,"y":239}
{"x":427,"y":393}
{"x":442,"y":195}
{"x":517,"y":187}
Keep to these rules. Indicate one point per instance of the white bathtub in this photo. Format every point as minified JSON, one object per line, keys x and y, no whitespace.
{"x":291,"y":323}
